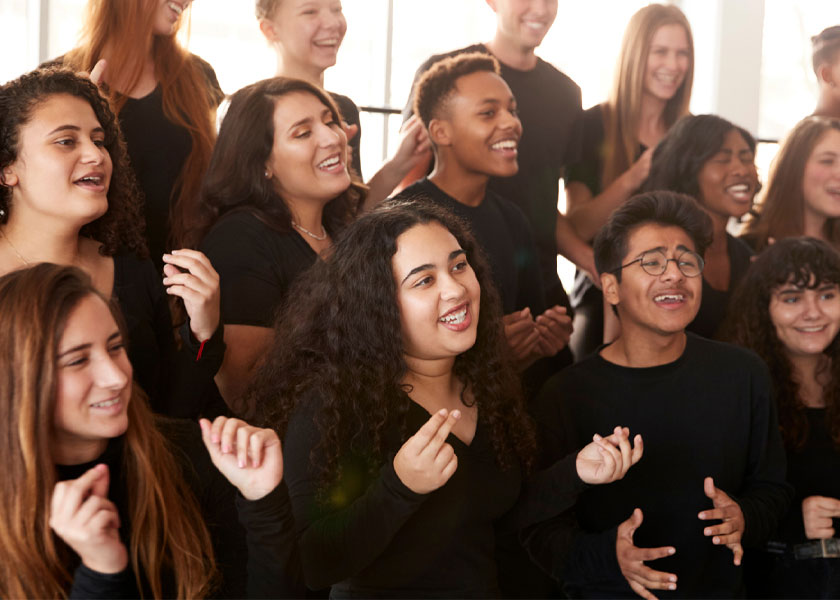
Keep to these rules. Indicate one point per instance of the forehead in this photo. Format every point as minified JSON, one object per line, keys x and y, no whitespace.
{"x":830,"y":140}
{"x":89,"y":320}
{"x":653,"y":235}
{"x":62,"y":109}
{"x":427,"y":243}
{"x":481,"y":86}
{"x":734,"y":139}
{"x":294,"y":106}
{"x":672,"y":35}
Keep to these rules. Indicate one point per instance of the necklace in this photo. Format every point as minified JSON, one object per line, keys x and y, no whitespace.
{"x":12,"y":246}
{"x":314,"y":236}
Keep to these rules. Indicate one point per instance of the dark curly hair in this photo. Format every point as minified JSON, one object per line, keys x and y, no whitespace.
{"x":806,"y":263}
{"x":434,"y":88}
{"x":235,"y":178}
{"x":340,"y":340}
{"x":688,"y":145}
{"x":121,"y":227}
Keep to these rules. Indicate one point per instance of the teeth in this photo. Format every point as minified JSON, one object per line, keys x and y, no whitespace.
{"x":106,"y":403}
{"x":811,"y":329}
{"x":176,"y":7}
{"x":534,"y":24}
{"x":95,"y":180}
{"x":505,"y":145}
{"x":326,"y":164}
{"x":669,"y":298}
{"x":326,"y":42}
{"x":455,"y":318}
{"x":669,"y":79}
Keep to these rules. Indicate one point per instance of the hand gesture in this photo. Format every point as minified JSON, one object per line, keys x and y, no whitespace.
{"x":817,"y":512}
{"x":190,"y":276}
{"x":82,"y":516}
{"x":522,"y":337}
{"x":414,"y":145}
{"x":96,"y":73}
{"x":631,"y":560}
{"x":725,"y":508}
{"x":555,"y":329}
{"x":635,"y":176}
{"x":249,"y":457}
{"x":350,"y":132}
{"x":608,"y":459}
{"x":426,"y":462}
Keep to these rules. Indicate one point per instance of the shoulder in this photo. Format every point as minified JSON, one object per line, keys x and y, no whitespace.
{"x":513,"y":214}
{"x":129,"y":267}
{"x":213,"y":87}
{"x":237,"y":226}
{"x":422,"y":189}
{"x":723,"y":356}
{"x":557,"y":77}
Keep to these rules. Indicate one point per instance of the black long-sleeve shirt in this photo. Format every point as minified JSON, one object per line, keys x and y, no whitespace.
{"x":709,"y":413}
{"x":253,"y":541}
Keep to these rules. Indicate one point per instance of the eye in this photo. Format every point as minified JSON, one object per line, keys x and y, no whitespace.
{"x":76,"y":361}
{"x":651,"y":261}
{"x":459,"y":266}
{"x":302,"y":134}
{"x":790,"y":299}
{"x":67,"y":142}
{"x":488,"y":113}
{"x":99,"y":143}
{"x":688,"y":261}
{"x":828,"y":295}
{"x":116,"y":347}
{"x":425,"y":281}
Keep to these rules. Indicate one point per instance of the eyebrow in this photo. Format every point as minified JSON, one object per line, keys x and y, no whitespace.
{"x":663,"y":249}
{"x":111,"y":337}
{"x":795,"y":289}
{"x":73,"y":128}
{"x":452,"y":255}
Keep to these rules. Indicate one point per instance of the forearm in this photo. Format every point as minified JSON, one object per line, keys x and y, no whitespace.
{"x":383,"y":183}
{"x":588,"y":217}
{"x":572,"y":246}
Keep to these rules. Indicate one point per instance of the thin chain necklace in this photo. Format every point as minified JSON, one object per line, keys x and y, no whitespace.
{"x":314,"y":236}
{"x":12,"y":246}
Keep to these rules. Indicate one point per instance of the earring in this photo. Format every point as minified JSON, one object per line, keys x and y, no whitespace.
{"x":2,"y":213}
{"x":267,"y":174}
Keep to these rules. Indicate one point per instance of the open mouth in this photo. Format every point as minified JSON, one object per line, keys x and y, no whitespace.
{"x":457,"y":319}
{"x":669,"y":79}
{"x":742,"y":192}
{"x":176,"y":8}
{"x":534,"y":25}
{"x":95,"y":183}
{"x":331,"y":164}
{"x":331,"y":43}
{"x":508,"y":147}
{"x":106,"y":403}
{"x":669,"y":299}
{"x":811,"y":329}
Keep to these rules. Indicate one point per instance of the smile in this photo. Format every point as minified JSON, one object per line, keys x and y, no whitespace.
{"x":326,"y":43}
{"x":508,"y":145}
{"x":740,"y":191}
{"x":666,"y":78}
{"x":812,"y":329}
{"x":455,"y":318}
{"x":536,"y":25}
{"x":669,"y":298}
{"x":176,"y":8}
{"x":106,"y":403}
{"x":330,"y":164}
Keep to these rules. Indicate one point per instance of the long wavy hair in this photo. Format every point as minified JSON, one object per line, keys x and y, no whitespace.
{"x":168,"y":536}
{"x":344,"y":345}
{"x":121,"y":227}
{"x":236,"y":180}
{"x":622,"y":111}
{"x":782,"y":212}
{"x":685,"y":149}
{"x":806,"y":263}
{"x":121,"y":31}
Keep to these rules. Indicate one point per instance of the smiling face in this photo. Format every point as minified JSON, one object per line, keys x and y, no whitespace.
{"x":307,"y":158}
{"x":168,"y":15}
{"x":308,"y":33}
{"x":806,"y":320}
{"x":437,"y":293}
{"x":667,"y":62}
{"x":821,"y":178}
{"x":481,"y":130}
{"x":728,"y":181}
{"x":94,"y":383}
{"x":664,"y":304}
{"x":62,"y":171}
{"x":524,"y":22}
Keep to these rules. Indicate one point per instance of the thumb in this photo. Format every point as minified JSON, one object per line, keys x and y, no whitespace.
{"x":709,"y":488}
{"x":636,"y":518}
{"x":101,"y":483}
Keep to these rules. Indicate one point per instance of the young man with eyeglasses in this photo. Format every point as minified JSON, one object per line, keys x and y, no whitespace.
{"x":712,"y":480}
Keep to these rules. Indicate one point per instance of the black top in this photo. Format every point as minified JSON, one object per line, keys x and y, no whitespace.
{"x":177,"y":382}
{"x":350,"y":113}
{"x":158,"y":150}
{"x":709,"y":413}
{"x":256,"y":265}
{"x":549,"y":108}
{"x":368,"y":535}
{"x":714,"y":302}
{"x":253,"y":541}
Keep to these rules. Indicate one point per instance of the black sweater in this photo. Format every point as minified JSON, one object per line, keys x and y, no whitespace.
{"x":709,"y":413}
{"x":253,"y":541}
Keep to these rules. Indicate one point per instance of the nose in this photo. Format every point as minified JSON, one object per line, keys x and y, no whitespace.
{"x":328,"y":136}
{"x":672,"y":271}
{"x":331,"y":19}
{"x":92,"y":153}
{"x":451,"y":288}
{"x":110,"y":374}
{"x":811,"y":307}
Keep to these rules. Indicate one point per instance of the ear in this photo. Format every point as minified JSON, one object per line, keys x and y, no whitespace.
{"x":440,"y":132}
{"x":8,"y":177}
{"x":825,"y":75}
{"x":609,"y":285}
{"x":491,"y":4}
{"x":267,"y":28}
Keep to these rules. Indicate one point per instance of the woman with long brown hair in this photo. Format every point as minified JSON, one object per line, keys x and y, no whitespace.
{"x":651,"y":90}
{"x":165,"y":98}
{"x":803,"y":189}
{"x":100,"y":500}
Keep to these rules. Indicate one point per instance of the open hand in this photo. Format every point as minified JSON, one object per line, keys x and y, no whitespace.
{"x":605,"y":460}
{"x":522,"y":337}
{"x":631,"y":560}
{"x":190,"y":276}
{"x":426,"y":462}
{"x":555,"y":329}
{"x":725,"y":508}
{"x":249,"y":457}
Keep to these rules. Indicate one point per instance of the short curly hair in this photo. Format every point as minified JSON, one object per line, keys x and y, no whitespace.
{"x":121,"y":227}
{"x":433,"y":90}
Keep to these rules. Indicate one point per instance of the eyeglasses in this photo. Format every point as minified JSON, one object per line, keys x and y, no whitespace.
{"x":654,"y":262}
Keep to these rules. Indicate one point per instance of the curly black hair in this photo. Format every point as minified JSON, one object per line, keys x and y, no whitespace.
{"x":339,"y":338}
{"x":806,"y":263}
{"x":121,"y":227}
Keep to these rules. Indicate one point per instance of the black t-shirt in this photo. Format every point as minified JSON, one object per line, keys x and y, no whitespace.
{"x":256,"y":264}
{"x":350,"y":113}
{"x":158,"y":150}
{"x":714,"y":302}
{"x":549,"y":108}
{"x":707,"y":414}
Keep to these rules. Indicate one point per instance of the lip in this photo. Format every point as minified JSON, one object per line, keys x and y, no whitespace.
{"x":507,"y":146}
{"x":811,"y":329}
{"x":741,"y":191}
{"x":331,"y":164}
{"x":101,"y":186}
{"x":674,"y":299}
{"x":464,"y":324}
{"x":117,"y":407}
{"x":330,"y":43}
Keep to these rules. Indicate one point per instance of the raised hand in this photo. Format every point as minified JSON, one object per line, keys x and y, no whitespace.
{"x":637,"y":173}
{"x":82,"y":516}
{"x":414,"y":145}
{"x":725,"y":508}
{"x":426,"y":462}
{"x":522,"y":337}
{"x":190,"y":276}
{"x":555,"y":329}
{"x":817,"y":513}
{"x":605,"y":460}
{"x":631,"y":560}
{"x":249,"y":457}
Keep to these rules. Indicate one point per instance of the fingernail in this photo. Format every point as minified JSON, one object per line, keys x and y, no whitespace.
{"x":456,"y":414}
{"x":241,"y":464}
{"x":715,"y":540}
{"x":672,"y":587}
{"x":672,"y":551}
{"x":442,"y":412}
{"x":707,"y":531}
{"x":597,"y":437}
{"x":672,"y":579}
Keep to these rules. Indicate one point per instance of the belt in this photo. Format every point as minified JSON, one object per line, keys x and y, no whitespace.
{"x":829,"y":548}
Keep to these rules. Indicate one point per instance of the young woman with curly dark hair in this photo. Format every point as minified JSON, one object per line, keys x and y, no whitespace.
{"x":68,"y":196}
{"x":406,"y":435}
{"x":787,"y":309}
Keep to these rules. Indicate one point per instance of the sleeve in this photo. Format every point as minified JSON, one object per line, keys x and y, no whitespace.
{"x":88,"y":583}
{"x":274,"y":569}
{"x":587,"y":169}
{"x":765,"y":495}
{"x":338,"y":542}
{"x":251,"y":289}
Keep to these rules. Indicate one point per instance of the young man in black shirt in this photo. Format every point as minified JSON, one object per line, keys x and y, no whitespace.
{"x":713,"y":478}
{"x":550,"y":108}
